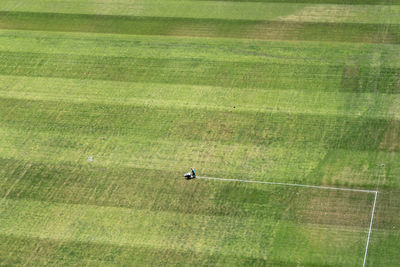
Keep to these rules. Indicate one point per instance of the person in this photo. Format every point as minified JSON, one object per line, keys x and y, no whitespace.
{"x":193,"y":173}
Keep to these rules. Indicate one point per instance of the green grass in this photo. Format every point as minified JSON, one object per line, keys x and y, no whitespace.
{"x":229,"y":28}
{"x":156,"y":8}
{"x":239,"y":219}
{"x":308,"y":11}
{"x":287,"y":92}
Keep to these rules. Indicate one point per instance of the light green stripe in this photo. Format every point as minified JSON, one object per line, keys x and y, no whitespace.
{"x":163,"y":47}
{"x":302,"y":12}
{"x":198,"y":97}
{"x":128,"y":227}
{"x":158,"y":8}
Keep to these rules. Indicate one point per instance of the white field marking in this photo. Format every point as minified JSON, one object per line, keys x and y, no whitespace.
{"x":370,"y":228}
{"x":299,"y":185}
{"x":313,"y":186}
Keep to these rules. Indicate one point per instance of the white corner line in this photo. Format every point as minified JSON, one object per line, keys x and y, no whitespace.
{"x":298,"y":185}
{"x":313,"y":186}
{"x":370,"y":228}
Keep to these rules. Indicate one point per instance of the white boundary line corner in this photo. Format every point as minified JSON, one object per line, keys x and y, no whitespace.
{"x":313,"y":186}
{"x":370,"y":228}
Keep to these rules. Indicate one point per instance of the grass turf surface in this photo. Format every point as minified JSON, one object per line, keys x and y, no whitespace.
{"x":320,"y":106}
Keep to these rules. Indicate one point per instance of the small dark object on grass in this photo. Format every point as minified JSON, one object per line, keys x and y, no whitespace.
{"x":190,"y":175}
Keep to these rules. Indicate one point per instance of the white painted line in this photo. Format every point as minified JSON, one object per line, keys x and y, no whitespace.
{"x":313,"y":186}
{"x":299,"y":185}
{"x":370,"y":228}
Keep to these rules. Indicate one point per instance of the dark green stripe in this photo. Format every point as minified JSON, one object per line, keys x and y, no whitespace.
{"x":135,"y":188}
{"x":268,"y":75}
{"x":153,"y":123}
{"x":16,"y":251}
{"x":267,"y":30}
{"x":172,"y":70}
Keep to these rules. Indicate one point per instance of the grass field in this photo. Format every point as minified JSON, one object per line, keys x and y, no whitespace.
{"x":304,"y":92}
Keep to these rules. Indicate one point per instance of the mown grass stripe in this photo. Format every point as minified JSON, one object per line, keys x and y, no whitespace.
{"x":201,"y":97}
{"x":246,"y":235}
{"x":182,"y":71}
{"x":191,"y":124}
{"x":216,"y":49}
{"x":122,"y":226}
{"x":16,"y":249}
{"x":248,"y":10}
{"x":109,"y":187}
{"x":201,"y":72}
{"x":156,"y":8}
{"x":267,"y":30}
